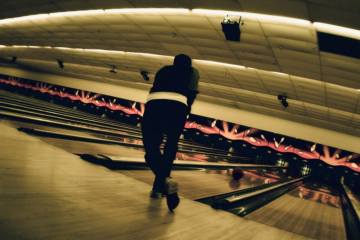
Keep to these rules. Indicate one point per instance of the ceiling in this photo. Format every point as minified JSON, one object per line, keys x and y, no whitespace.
{"x":343,"y":13}
{"x":275,"y":55}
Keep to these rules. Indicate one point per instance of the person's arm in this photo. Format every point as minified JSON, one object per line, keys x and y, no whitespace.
{"x":193,"y":89}
{"x":159,"y":78}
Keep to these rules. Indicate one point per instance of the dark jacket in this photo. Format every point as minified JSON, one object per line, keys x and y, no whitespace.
{"x":178,"y":80}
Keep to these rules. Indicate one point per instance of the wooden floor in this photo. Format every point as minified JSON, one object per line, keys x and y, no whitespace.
{"x":306,"y":217}
{"x":48,"y":193}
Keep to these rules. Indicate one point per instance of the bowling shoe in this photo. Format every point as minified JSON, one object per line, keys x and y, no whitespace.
{"x":156,"y":195}
{"x":172,"y":197}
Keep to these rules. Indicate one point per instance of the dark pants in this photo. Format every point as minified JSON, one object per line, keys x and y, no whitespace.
{"x":162,"y":117}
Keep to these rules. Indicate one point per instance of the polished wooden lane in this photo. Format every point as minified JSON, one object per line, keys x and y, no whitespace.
{"x":194,"y":184}
{"x":48,"y":193}
{"x":319,"y":217}
{"x":82,"y":147}
{"x":199,"y":184}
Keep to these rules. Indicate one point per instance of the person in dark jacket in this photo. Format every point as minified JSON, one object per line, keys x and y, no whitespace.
{"x":168,"y":105}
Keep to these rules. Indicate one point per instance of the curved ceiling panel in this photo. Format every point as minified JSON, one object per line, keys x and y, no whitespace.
{"x":270,"y":43}
{"x":342,"y":13}
{"x":276,"y":55}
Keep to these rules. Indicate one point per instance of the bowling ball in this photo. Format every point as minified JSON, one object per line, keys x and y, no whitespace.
{"x":237,"y":174}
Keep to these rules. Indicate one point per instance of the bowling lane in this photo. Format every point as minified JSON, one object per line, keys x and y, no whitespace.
{"x":307,"y":211}
{"x":91,"y":119}
{"x":81,"y":147}
{"x":196,"y":153}
{"x":86,"y":147}
{"x":200,"y":184}
{"x":194,"y":184}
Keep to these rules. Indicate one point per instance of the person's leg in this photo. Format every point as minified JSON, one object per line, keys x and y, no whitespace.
{"x":173,"y":130}
{"x":152,"y":139}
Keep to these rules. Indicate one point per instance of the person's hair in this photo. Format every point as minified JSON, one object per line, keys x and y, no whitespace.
{"x":182,"y":60}
{"x":184,"y":70}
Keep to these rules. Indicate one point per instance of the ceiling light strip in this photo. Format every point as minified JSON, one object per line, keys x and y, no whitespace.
{"x":254,"y":17}
{"x":148,"y":11}
{"x":323,"y":27}
{"x":337,"y":30}
{"x":103,"y":51}
{"x":77,"y":13}
{"x":219,"y":64}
